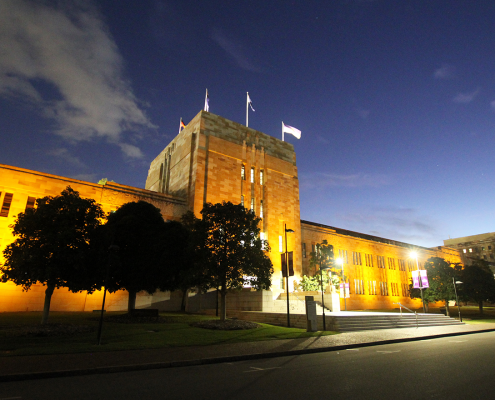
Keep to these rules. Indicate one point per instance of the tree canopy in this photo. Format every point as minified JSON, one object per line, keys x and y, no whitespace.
{"x":52,"y":245}
{"x":478,"y":283}
{"x":137,"y":229}
{"x":234,"y":253}
{"x":440,"y":274}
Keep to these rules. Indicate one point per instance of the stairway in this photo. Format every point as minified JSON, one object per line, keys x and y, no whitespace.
{"x":351,"y":323}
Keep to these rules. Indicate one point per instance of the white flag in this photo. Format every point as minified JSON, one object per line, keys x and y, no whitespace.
{"x":291,"y":130}
{"x":207,"y":101}
{"x":250,"y":102}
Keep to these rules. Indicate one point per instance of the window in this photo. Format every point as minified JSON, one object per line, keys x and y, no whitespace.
{"x":261,"y":177}
{"x":372,"y":287}
{"x":243,"y":172}
{"x":304,"y":250}
{"x":343,"y":255}
{"x":391,"y":263}
{"x":261,"y":208}
{"x":252,"y":174}
{"x":280,"y":244}
{"x":7,"y":201}
{"x":252,"y":204}
{"x":31,"y":201}
{"x":405,"y":289}
{"x":463,"y":250}
{"x":384,"y":288}
{"x":356,"y":258}
{"x":410,"y":265}
{"x":489,"y":247}
{"x":470,"y":250}
{"x":358,"y":286}
{"x":402,"y":265}
{"x":262,"y":237}
{"x":242,"y":201}
{"x":368,"y":260}
{"x":394,"y":289}
{"x":381,"y":261}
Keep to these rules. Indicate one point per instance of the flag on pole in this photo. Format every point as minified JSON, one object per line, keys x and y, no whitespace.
{"x":289,"y":129}
{"x":250,"y":102}
{"x":182,"y":125}
{"x":207,"y":100}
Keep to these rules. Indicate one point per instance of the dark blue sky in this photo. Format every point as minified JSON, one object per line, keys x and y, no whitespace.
{"x":395,"y":99}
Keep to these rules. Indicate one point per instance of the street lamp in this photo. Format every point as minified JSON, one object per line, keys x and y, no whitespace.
{"x":415,"y":255}
{"x":341,"y":262}
{"x":321,"y":282}
{"x":287,"y":272}
{"x":456,"y":298}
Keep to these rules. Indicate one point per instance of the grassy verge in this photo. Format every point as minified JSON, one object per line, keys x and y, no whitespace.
{"x":175,"y":332}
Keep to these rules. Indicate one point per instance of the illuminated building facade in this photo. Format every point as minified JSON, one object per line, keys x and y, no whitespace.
{"x":214,"y":160}
{"x":474,"y":247}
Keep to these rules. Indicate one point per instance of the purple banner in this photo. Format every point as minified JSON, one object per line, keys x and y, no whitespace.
{"x":424,"y":279}
{"x":415,"y":278}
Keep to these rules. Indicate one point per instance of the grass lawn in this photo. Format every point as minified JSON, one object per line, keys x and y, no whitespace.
{"x":175,"y":332}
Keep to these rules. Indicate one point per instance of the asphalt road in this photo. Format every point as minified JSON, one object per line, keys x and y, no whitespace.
{"x":447,"y":368}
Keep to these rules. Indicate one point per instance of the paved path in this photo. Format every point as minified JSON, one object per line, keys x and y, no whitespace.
{"x":37,"y":367}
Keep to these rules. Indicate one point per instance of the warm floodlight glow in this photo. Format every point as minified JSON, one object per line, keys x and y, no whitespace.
{"x":339,"y":261}
{"x":413,"y":254}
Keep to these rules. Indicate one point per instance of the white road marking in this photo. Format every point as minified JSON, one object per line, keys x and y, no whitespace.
{"x":388,"y":352}
{"x":457,"y":341}
{"x":255,"y":369}
{"x":352,"y":349}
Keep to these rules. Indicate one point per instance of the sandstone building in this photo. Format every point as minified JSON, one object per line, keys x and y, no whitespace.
{"x":212,"y":160}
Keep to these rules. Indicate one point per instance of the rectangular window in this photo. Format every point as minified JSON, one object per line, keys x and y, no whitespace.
{"x":31,"y":201}
{"x":243,"y":172}
{"x":252,"y":204}
{"x":304,"y":250}
{"x":405,"y":290}
{"x":252,"y":174}
{"x":261,"y":208}
{"x":372,"y":287}
{"x":410,"y":265}
{"x":358,"y":286}
{"x":344,"y":256}
{"x":356,"y":258}
{"x":242,"y":201}
{"x":402,"y":265}
{"x":369,"y":260}
{"x":391,"y":263}
{"x":280,"y":244}
{"x":7,"y":201}
{"x":381,"y":261}
{"x":463,"y":250}
{"x":261,"y":177}
{"x":384,"y":288}
{"x":262,"y":237}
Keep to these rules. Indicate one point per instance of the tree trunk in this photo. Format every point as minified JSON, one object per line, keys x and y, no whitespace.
{"x":131,"y":303}
{"x":184,"y":299}
{"x":46,"y":307}
{"x":223,"y":304}
{"x":480,"y":304}
{"x":447,"y":308}
{"x":427,"y":307}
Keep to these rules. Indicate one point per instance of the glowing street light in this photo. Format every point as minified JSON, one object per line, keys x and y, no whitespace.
{"x":456,"y":298}
{"x":415,"y":256}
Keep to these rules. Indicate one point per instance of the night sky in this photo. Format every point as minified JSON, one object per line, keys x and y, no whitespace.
{"x":395,"y":99}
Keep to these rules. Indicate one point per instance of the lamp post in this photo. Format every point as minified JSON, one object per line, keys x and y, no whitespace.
{"x":287,"y":272}
{"x":415,"y":255}
{"x":322,"y":296}
{"x":341,"y":262}
{"x":456,"y":298}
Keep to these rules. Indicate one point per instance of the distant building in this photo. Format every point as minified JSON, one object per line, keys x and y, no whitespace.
{"x":214,"y":160}
{"x":474,"y":247}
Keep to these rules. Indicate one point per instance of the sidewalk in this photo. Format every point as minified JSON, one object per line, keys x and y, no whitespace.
{"x":50,"y":366}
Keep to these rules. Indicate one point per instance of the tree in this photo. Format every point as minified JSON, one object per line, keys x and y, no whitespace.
{"x":182,"y":267}
{"x":235,"y":255}
{"x":478,"y":283}
{"x":440,"y":274}
{"x":137,"y":229}
{"x":53,"y":245}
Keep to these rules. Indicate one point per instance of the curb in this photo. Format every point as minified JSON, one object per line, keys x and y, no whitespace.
{"x":217,"y":360}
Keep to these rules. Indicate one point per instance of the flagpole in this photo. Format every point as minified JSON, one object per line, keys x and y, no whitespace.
{"x":247,"y":109}
{"x":282,"y":131}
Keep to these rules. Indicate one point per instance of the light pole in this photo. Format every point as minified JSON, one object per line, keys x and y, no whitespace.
{"x":322,"y":296}
{"x":341,"y":262}
{"x":287,"y":272}
{"x":415,"y":255}
{"x":456,"y":298}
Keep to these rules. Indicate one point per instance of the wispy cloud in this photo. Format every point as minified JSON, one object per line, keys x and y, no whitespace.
{"x":321,"y":180}
{"x":396,"y":223}
{"x":235,"y":50}
{"x":465,"y":98}
{"x":64,"y":155}
{"x":61,"y":58}
{"x":445,"y":72}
